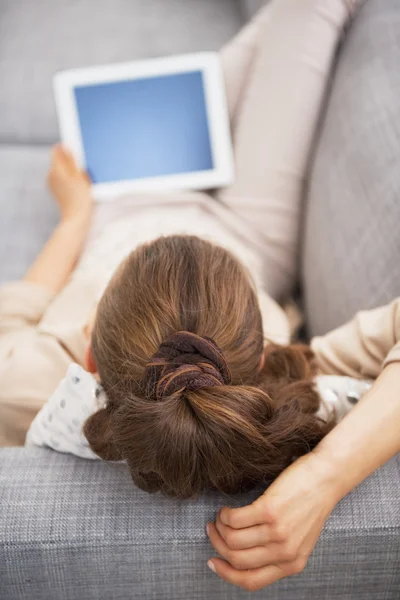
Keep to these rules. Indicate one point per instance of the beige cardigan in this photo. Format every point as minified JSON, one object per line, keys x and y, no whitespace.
{"x":41,"y":335}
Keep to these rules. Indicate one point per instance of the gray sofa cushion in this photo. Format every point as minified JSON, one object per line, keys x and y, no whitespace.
{"x":351,"y":235}
{"x":38,"y":38}
{"x":250,"y":7}
{"x":27,"y":212}
{"x":72,"y":529}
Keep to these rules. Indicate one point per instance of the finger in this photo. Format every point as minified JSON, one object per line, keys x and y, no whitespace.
{"x":248,"y":516}
{"x":69,"y":158}
{"x":251,"y":580}
{"x":56,"y":148}
{"x":86,"y":176}
{"x":240,"y":539}
{"x":58,"y":159}
{"x":252,"y":558}
{"x":64,"y":160}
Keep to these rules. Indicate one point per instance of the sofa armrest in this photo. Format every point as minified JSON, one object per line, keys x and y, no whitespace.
{"x":77,"y":529}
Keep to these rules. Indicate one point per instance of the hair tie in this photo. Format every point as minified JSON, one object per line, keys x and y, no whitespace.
{"x":185,"y":361}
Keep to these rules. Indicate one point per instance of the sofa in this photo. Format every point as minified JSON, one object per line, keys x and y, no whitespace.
{"x":72,"y":529}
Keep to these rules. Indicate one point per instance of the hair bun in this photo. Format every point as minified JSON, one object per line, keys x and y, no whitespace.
{"x":185,"y":361}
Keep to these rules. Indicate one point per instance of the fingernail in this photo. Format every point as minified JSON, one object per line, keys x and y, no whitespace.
{"x":210,"y":565}
{"x":208,"y":529}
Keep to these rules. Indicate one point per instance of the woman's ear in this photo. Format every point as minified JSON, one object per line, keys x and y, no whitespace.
{"x":90,"y":363}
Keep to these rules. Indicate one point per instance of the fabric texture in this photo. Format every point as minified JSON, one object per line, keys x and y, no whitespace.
{"x":363,"y":346}
{"x":37,"y":39}
{"x":59,"y":423}
{"x":72,"y":529}
{"x":34,"y":357}
{"x":351,"y":253}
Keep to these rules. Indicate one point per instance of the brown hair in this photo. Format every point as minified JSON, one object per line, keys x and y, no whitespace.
{"x":231,"y":429}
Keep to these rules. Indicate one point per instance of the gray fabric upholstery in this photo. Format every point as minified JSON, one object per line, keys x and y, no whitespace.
{"x":28,"y":214}
{"x":250,"y":7}
{"x":38,"y":38}
{"x":79,"y":530}
{"x":351,"y":238}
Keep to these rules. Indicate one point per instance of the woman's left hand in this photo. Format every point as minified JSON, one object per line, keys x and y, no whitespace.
{"x":71,"y":188}
{"x":70,"y":185}
{"x":274,"y":537}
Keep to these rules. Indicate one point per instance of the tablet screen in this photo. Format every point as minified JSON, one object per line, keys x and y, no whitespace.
{"x":148,"y":127}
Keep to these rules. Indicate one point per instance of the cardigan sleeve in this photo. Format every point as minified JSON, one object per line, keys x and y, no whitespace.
{"x":363,"y":346}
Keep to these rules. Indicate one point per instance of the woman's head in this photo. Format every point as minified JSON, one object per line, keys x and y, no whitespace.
{"x":178,"y":344}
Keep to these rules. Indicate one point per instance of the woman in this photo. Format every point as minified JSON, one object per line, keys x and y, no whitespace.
{"x":257,"y":218}
{"x":39,"y":323}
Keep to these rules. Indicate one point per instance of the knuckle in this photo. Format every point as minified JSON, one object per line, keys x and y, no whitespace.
{"x":237,"y":562}
{"x":264,"y":533}
{"x":271,"y":510}
{"x":231,"y":520}
{"x":290,"y":551}
{"x":298,"y":565}
{"x":281,"y":533}
{"x":225,"y":517}
{"x":231,"y":540}
{"x":250,"y":585}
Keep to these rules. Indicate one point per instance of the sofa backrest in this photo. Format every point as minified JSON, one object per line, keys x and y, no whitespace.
{"x":38,"y":38}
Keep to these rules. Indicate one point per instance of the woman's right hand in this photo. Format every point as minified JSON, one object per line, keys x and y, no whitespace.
{"x":274,"y":537}
{"x":69,"y":185}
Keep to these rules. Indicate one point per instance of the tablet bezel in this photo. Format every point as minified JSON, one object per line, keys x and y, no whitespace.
{"x":216,"y":108}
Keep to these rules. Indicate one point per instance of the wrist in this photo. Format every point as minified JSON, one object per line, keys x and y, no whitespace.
{"x":75,"y":228}
{"x":328,"y":469}
{"x":329,"y":473}
{"x":80,"y":220}
{"x":355,"y":448}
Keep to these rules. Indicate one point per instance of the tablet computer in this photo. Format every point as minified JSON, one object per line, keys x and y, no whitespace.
{"x":152,"y":125}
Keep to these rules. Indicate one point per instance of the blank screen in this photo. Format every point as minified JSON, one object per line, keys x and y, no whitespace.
{"x":145,"y":127}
